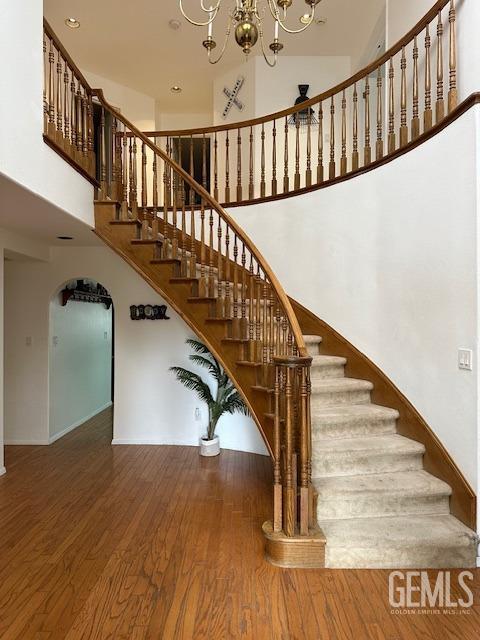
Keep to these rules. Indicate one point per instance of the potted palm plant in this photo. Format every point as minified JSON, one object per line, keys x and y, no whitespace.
{"x":226,"y":398}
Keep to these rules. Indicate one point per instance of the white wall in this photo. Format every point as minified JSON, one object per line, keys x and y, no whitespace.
{"x":137,"y":107}
{"x":149,"y":404}
{"x":24,"y":157}
{"x":80,"y":357}
{"x":390,"y":260}
{"x":2,"y":467}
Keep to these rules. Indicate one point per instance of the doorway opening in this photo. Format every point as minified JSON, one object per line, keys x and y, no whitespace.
{"x":81,"y":355}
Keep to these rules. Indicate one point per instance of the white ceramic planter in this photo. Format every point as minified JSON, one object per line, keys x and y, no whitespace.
{"x":210,"y":447}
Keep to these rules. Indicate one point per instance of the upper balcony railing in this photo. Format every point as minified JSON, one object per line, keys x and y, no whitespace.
{"x":67,"y":106}
{"x":343,"y":131}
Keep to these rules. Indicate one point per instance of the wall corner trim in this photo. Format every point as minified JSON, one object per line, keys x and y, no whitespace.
{"x":3,"y":471}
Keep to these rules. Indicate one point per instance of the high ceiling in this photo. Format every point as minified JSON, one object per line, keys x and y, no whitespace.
{"x":132,"y":43}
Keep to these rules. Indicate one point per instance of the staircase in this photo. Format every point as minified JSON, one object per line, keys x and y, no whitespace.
{"x":377,"y":507}
{"x":355,"y":483}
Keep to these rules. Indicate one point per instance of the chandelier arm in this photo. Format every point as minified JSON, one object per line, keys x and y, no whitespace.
{"x":194,"y":22}
{"x":227,"y":36}
{"x":207,"y":9}
{"x":276,"y":16}
{"x":270,"y":64}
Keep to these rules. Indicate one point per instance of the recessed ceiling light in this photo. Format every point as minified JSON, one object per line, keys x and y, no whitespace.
{"x":176,"y":89}
{"x":64,"y":238}
{"x":73,"y":23}
{"x":174,"y":24}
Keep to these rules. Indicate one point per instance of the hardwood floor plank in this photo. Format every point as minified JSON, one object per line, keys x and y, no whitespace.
{"x":155,"y":543}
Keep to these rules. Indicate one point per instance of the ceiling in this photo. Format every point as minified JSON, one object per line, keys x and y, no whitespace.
{"x":131,"y":42}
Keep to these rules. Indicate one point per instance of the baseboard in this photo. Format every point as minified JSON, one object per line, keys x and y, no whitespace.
{"x":28,"y":443}
{"x":478,"y":562}
{"x":73,"y":426}
{"x":3,"y":471}
{"x":156,"y":443}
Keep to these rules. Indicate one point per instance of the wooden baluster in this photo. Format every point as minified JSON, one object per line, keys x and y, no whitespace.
{"x":211,"y":274}
{"x":251,"y":190}
{"x":51,"y":93}
{"x":428,"y":115}
{"x":415,"y":118}
{"x":90,"y":145}
{"x":78,"y":119}
{"x":134,"y":205}
{"x":166,"y":203}
{"x":308,"y":171}
{"x":265,"y":338}
{"x":215,"y":167}
{"x":191,"y":170}
{"x":391,"y":108}
{"x":235,"y":327}
{"x":452,"y":59}
{"x":296,"y":181}
{"x":183,"y":200}
{"x":440,"y":103}
{"x":367,"y":154}
{"x":45,"y":76}
{"x":103,"y":155}
{"x":220,"y":297}
{"x":66,"y":107}
{"x":331,"y":166}
{"x":274,"y":159}
{"x":145,"y":224}
{"x":243,"y":302}
{"x":343,"y":159}
{"x":193,"y":244}
{"x":115,"y":179}
{"x":277,"y":452}
{"x":355,"y":156}
{"x":59,"y":83}
{"x":202,"y":285}
{"x":258,"y":316}
{"x":304,"y":455}
{"x":227,"y":169}
{"x":239,"y":166}
{"x":379,"y":145}
{"x":320,"y":145}
{"x":155,"y":228}
{"x":262,"y":163}
{"x":204,"y":163}
{"x":124,"y":205}
{"x":73,"y":114}
{"x":251,"y":312}
{"x":289,"y":518}
{"x":227,"y":307}
{"x":403,"y":100}
{"x":286,"y":180}
{"x":85,"y":134}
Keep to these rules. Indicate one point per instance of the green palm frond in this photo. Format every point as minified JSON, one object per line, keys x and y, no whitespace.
{"x":213,"y":367}
{"x":235,"y":403}
{"x":192,"y":381}
{"x":198,"y":346}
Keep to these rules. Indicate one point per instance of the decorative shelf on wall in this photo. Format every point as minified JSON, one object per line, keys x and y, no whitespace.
{"x":84,"y":295}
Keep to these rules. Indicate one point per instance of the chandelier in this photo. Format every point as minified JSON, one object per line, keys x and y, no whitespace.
{"x":247,"y":17}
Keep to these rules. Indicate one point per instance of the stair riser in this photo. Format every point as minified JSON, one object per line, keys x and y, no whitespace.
{"x":324,"y":372}
{"x":395,"y":557}
{"x":334,"y":398}
{"x":383,"y":505}
{"x":313,"y":349}
{"x":352,"y":429}
{"x":364,"y":462}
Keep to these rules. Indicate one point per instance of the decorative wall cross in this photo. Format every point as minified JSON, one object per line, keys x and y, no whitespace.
{"x":232,"y":96}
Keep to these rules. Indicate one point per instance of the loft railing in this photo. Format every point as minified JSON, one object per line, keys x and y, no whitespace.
{"x":67,"y":106}
{"x":341,"y":132}
{"x":193,"y":231}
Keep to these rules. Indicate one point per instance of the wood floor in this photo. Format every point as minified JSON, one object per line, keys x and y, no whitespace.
{"x":132,"y":543}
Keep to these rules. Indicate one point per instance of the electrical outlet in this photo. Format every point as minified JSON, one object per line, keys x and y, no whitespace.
{"x":105,"y":335}
{"x":55,"y":341}
{"x":197,"y":414}
{"x":465,"y":359}
{"x":29,"y":341}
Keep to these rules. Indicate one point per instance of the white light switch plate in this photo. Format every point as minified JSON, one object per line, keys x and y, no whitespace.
{"x":465,"y":359}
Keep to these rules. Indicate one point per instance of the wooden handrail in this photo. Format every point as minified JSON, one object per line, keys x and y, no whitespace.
{"x":205,"y":195}
{"x":321,"y":97}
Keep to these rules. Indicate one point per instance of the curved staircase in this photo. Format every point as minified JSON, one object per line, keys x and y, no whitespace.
{"x":355,"y":483}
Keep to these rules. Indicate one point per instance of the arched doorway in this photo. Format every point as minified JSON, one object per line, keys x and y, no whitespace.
{"x":81,"y":355}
